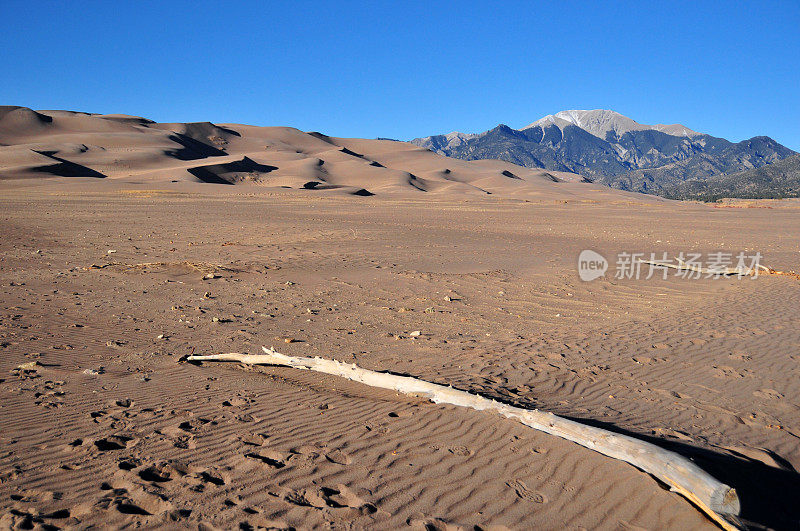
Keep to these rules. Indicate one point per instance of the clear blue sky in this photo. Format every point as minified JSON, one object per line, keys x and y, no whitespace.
{"x":407,"y":69}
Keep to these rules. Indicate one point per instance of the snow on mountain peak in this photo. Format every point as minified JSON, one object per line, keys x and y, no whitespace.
{"x":599,"y":122}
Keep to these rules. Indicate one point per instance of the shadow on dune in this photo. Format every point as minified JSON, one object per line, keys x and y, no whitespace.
{"x":216,"y":173}
{"x":510,"y":175}
{"x":317,"y":185}
{"x":768,"y":495}
{"x":192,"y":149}
{"x":24,"y":113}
{"x":228,"y":130}
{"x":351,"y":153}
{"x":416,"y":182}
{"x":65,"y":168}
{"x":321,"y":136}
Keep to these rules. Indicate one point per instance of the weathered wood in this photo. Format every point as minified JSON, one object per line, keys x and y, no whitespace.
{"x":719,"y":501}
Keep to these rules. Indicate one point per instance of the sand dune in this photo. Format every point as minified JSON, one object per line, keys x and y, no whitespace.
{"x":37,"y":144}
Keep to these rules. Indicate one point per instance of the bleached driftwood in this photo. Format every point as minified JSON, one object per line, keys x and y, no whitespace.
{"x":717,"y":500}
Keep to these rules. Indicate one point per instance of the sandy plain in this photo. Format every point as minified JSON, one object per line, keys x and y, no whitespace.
{"x":106,"y":286}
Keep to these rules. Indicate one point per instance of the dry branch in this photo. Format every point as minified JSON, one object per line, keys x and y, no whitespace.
{"x":719,"y":501}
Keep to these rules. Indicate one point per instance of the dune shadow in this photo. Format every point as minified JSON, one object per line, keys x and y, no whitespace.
{"x":351,"y":153}
{"x":215,"y":173}
{"x":227,"y":130}
{"x":192,"y":149}
{"x":65,"y":168}
{"x":31,"y":114}
{"x":321,"y":136}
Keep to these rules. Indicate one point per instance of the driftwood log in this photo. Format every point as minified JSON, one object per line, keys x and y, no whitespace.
{"x":717,"y":500}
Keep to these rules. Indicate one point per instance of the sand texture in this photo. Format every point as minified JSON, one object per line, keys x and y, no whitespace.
{"x":108,"y":283}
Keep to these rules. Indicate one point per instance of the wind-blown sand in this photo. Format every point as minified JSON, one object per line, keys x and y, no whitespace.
{"x":104,"y":425}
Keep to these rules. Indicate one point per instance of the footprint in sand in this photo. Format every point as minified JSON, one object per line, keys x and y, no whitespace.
{"x":185,"y":442}
{"x":268,"y":457}
{"x":338,"y":457}
{"x":379,"y":429}
{"x":769,"y":394}
{"x":525,"y":493}
{"x":338,"y":497}
{"x":196,"y":424}
{"x":254,"y":439}
{"x":235,"y":402}
{"x":131,"y":499}
{"x":305,"y":498}
{"x":460,"y":450}
{"x":129,"y":463}
{"x":17,"y":519}
{"x":182,"y":435}
{"x":158,"y":473}
{"x":246,"y":417}
{"x":97,"y":416}
{"x":341,"y":496}
{"x":724,"y":371}
{"x":215,"y":477}
{"x":304,"y":456}
{"x":114,"y":442}
{"x":124,"y":403}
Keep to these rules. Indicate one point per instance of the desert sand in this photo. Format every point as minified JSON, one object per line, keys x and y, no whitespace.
{"x":397,"y":259}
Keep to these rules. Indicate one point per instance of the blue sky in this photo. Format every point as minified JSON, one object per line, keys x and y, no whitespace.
{"x":408,"y":69}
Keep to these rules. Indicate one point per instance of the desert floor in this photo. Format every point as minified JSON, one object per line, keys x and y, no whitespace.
{"x":103,"y":291}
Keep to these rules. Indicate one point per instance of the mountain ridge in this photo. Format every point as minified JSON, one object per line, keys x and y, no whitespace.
{"x":612,"y":149}
{"x":599,"y":122}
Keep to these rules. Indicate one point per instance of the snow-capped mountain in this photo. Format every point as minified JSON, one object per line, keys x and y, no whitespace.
{"x":600,"y":122}
{"x":611,"y":148}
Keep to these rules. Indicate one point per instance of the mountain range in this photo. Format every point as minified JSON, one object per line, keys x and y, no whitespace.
{"x":607,"y":147}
